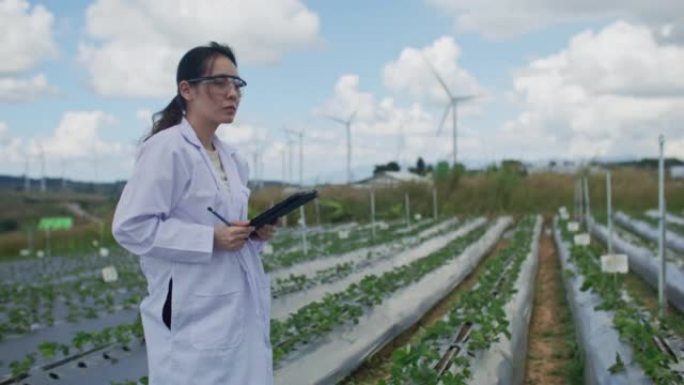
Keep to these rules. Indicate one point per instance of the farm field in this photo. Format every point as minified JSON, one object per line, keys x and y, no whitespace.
{"x":463,"y":298}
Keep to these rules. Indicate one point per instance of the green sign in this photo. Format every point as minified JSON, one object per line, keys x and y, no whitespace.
{"x":56,"y":223}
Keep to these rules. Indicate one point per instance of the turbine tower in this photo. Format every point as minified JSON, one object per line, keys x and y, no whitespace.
{"x":27,"y":181}
{"x":452,"y":106}
{"x":347,"y":123}
{"x":43,"y":186}
{"x":300,"y":135}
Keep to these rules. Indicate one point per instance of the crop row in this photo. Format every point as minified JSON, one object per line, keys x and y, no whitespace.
{"x":329,"y":243}
{"x":320,"y":317}
{"x":480,"y":309}
{"x":49,"y":351}
{"x":634,"y":324}
{"x":298,"y":282}
{"x":26,"y":307}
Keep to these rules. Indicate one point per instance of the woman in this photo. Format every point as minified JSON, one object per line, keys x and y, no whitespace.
{"x":207,"y":316}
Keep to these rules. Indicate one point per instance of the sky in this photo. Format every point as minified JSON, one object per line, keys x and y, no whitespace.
{"x":553,"y":79}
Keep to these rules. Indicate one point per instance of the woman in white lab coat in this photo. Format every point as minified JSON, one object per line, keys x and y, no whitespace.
{"x":207,"y":315}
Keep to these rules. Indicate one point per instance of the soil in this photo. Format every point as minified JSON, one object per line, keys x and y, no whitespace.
{"x":550,"y":353}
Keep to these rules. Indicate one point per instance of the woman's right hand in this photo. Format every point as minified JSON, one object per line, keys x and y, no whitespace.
{"x":232,"y":238}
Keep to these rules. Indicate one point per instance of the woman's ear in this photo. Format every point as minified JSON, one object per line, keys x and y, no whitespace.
{"x":186,"y":91}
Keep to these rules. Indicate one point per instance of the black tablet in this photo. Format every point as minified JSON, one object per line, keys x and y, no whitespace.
{"x":283,"y":207}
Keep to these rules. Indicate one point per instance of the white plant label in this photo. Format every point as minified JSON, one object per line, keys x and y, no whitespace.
{"x":565,"y":216}
{"x":615,"y":263}
{"x":582,"y":239}
{"x":343,"y":234}
{"x":417,"y":217}
{"x":573,"y":227}
{"x":109,"y":274}
{"x":104,"y":252}
{"x":40,"y":253}
{"x":383,"y":225}
{"x":562,"y":210}
{"x":268,"y":249}
{"x":24,"y":252}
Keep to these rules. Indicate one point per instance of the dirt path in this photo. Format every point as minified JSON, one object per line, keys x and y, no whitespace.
{"x":378,"y":366}
{"x":552,"y":356}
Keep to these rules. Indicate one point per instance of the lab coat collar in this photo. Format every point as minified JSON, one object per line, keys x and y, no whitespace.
{"x":191,"y":136}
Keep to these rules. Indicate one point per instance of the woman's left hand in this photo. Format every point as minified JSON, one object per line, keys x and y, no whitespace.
{"x":265,"y":233}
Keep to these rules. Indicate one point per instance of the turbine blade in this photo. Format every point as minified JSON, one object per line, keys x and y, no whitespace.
{"x":352,"y":116}
{"x":333,"y":118}
{"x":466,"y":97}
{"x":439,"y":78}
{"x":441,"y":124}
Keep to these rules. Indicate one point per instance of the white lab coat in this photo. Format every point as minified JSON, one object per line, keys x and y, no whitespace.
{"x":220,"y":320}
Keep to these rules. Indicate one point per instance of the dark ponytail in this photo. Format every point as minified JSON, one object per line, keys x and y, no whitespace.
{"x":170,"y":116}
{"x":193,"y":64}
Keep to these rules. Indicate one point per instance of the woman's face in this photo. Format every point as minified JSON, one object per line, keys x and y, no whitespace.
{"x":216,"y":99}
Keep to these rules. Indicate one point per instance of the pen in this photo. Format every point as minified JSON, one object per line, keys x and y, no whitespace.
{"x":219,"y":216}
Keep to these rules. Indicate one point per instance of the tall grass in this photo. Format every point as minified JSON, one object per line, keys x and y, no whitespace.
{"x":490,"y":192}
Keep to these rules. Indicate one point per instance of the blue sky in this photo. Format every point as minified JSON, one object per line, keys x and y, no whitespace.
{"x":542,"y":93}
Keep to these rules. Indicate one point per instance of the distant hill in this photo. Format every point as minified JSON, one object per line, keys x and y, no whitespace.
{"x":16,"y":183}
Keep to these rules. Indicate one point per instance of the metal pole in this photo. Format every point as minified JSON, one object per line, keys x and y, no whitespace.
{"x":577,"y":213}
{"x":587,"y":207}
{"x":305,"y":246}
{"x":372,"y":213}
{"x":301,"y":160}
{"x":434,"y":203}
{"x":662,"y":300}
{"x":317,"y":206}
{"x":256,"y":165}
{"x":349,"y":173}
{"x":30,"y":241}
{"x":290,"y":154}
{"x":580,"y":200}
{"x":610,"y":213}
{"x":284,"y":154}
{"x":454,"y":107}
{"x":47,"y":240}
{"x":408,"y":210}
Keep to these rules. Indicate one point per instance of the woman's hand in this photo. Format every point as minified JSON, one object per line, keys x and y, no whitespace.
{"x":232,"y":238}
{"x":265,"y":233}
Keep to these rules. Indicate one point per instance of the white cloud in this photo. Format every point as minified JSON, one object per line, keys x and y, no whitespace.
{"x":607,"y":94}
{"x":139,"y":57}
{"x":410,"y":73}
{"x":144,"y":116}
{"x":26,"y":39}
{"x":507,"y":18}
{"x":75,"y":148}
{"x":25,"y":36}
{"x":381,"y":132}
{"x":21,"y":90}
{"x":348,"y":100}
{"x":78,"y":136}
{"x":11,"y":149}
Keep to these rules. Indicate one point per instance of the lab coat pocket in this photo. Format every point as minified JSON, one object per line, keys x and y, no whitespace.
{"x":218,"y":321}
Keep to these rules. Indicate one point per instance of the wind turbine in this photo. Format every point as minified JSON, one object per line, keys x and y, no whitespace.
{"x":347,"y":123}
{"x":452,"y":106}
{"x":290,"y":153}
{"x":401,"y":146}
{"x":27,"y":181}
{"x":299,"y":134}
{"x":43,"y":186}
{"x":257,"y":153}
